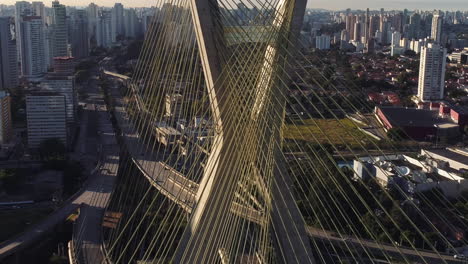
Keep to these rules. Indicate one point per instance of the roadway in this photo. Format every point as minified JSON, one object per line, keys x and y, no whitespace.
{"x":167,"y":180}
{"x":87,"y":230}
{"x":379,"y":248}
{"x":86,"y":152}
{"x":178,"y":188}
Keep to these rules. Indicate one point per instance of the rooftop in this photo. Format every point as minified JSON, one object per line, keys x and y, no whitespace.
{"x":412,"y":117}
{"x":450,"y":154}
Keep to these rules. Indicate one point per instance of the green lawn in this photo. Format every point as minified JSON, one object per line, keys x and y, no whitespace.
{"x":337,"y":132}
{"x":13,"y":222}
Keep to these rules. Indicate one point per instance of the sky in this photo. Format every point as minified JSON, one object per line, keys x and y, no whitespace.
{"x":326,"y":4}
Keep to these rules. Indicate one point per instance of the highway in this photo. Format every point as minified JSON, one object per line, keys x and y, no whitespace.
{"x":87,"y":230}
{"x":379,"y":248}
{"x":86,"y":151}
{"x":183,"y":191}
{"x":168,"y":181}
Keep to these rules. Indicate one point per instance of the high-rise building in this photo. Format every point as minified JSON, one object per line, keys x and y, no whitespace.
{"x":117,"y":21}
{"x":63,"y":85}
{"x":350,"y":22}
{"x":80,"y":38}
{"x":22,"y":8}
{"x":373,"y":26}
{"x":130,"y":24}
{"x":8,"y":58}
{"x":432,"y":72}
{"x":38,"y":9}
{"x":396,"y":37}
{"x":33,"y":63}
{"x":415,"y":26}
{"x":46,"y":118}
{"x":60,"y":31}
{"x":436,"y":30}
{"x":104,"y":30}
{"x":322,"y":42}
{"x":6,"y":128}
{"x":357,"y":31}
{"x":93,"y":14}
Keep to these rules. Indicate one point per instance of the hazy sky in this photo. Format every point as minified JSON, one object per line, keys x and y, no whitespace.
{"x":328,"y":4}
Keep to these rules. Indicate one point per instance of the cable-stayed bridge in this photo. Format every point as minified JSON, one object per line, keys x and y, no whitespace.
{"x":204,"y":176}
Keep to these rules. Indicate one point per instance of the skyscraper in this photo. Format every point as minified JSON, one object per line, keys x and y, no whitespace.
{"x":22,"y":8}
{"x":436,"y":31}
{"x":8,"y":58}
{"x":104,"y":29}
{"x":117,"y":21}
{"x":38,"y":9}
{"x":60,"y":32}
{"x":415,"y":26}
{"x":130,"y":24}
{"x":93,"y":14}
{"x":33,"y":63}
{"x":432,"y":72}
{"x":80,"y":38}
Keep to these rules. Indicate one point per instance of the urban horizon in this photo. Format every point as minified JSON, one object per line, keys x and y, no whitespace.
{"x":312,"y":5}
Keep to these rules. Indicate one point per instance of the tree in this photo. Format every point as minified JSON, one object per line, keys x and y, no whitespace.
{"x":52,"y":149}
{"x":410,"y":53}
{"x":72,"y":177}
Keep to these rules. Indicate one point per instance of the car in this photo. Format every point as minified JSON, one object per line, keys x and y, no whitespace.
{"x":460,"y":256}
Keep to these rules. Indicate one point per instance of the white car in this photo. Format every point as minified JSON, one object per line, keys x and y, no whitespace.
{"x":460,"y":256}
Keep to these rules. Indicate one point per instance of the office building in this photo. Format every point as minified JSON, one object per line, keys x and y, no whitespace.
{"x":6,"y":128}
{"x":38,"y":9}
{"x":60,"y":31}
{"x":8,"y":59}
{"x":436,"y":31}
{"x":130,"y":24}
{"x":33,"y":60}
{"x":396,"y":38}
{"x":63,"y":85}
{"x":432,"y":72}
{"x":46,"y":118}
{"x":322,"y":42}
{"x":415,"y":26}
{"x":357,"y":31}
{"x":80,"y":38}
{"x":104,"y":30}
{"x":117,"y":21}
{"x":22,"y":8}
{"x":93,"y":14}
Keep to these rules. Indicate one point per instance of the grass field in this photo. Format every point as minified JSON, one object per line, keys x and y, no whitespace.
{"x":13,"y":222}
{"x":326,"y":131}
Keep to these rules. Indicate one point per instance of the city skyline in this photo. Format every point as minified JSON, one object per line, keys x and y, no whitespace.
{"x":319,"y":4}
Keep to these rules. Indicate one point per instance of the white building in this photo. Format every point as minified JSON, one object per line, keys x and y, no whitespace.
{"x":104,"y":30}
{"x":322,"y":42}
{"x":436,"y":31}
{"x":63,"y":85}
{"x":432,"y":72}
{"x":6,"y":128}
{"x":8,"y":58}
{"x":396,"y":38}
{"x":33,"y":60}
{"x":46,"y":118}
